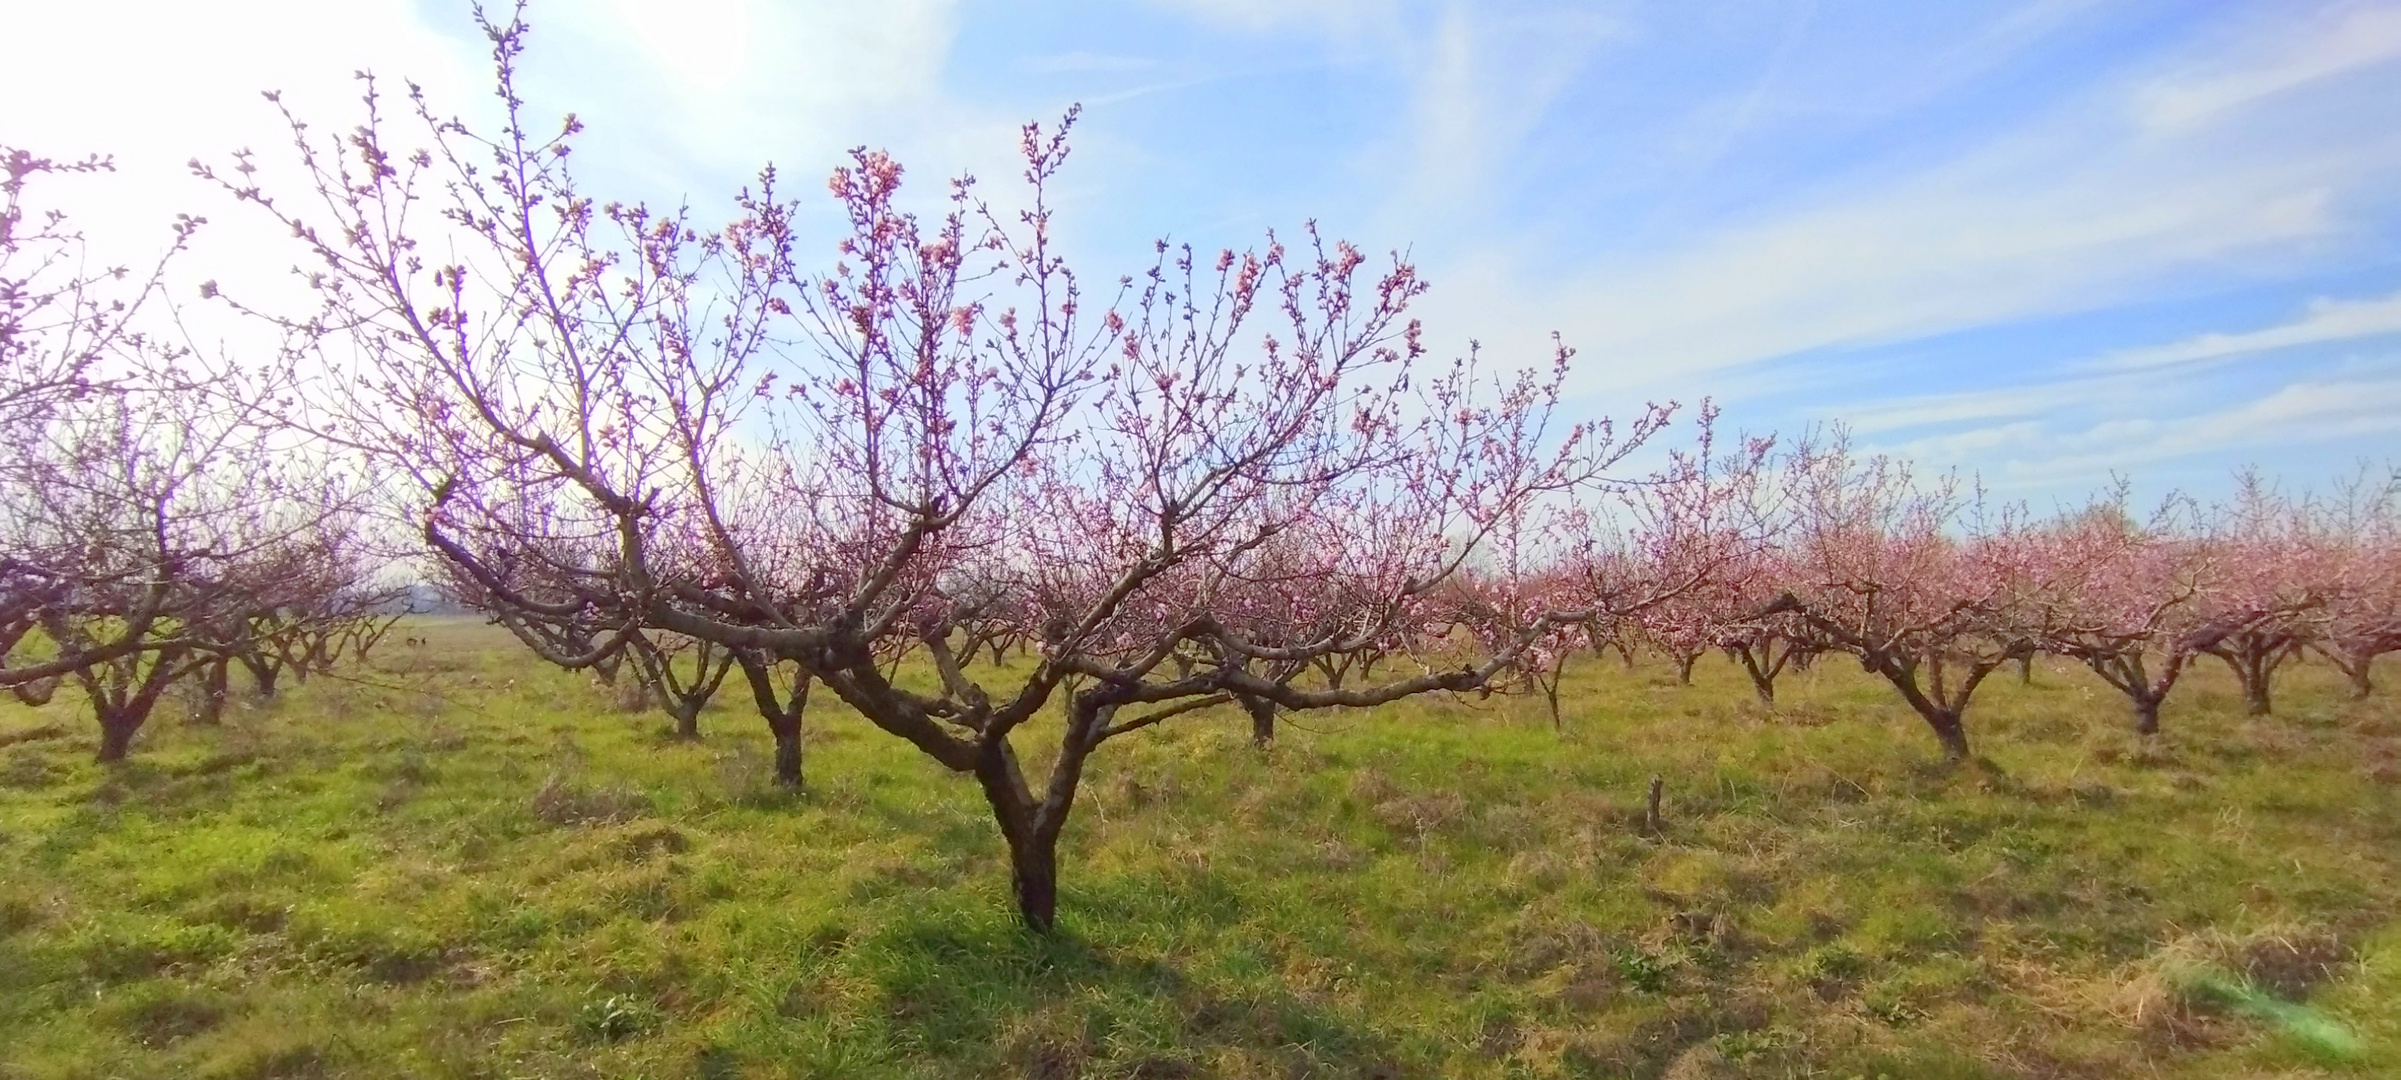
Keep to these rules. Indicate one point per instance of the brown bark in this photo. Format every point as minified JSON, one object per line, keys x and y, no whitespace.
{"x":1263,"y":721}
{"x":783,"y":717}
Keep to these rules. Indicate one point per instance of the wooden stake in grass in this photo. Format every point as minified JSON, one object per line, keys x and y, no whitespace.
{"x":1651,"y":821}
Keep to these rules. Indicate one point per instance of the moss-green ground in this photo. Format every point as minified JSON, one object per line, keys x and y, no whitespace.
{"x":504,"y":878}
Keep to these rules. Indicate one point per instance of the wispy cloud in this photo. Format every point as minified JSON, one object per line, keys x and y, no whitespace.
{"x":2033,"y":454}
{"x":2301,"y":47}
{"x":2074,"y":208}
{"x":2326,"y":320}
{"x":1077,"y":62}
{"x":2125,"y":380}
{"x":1340,"y":17}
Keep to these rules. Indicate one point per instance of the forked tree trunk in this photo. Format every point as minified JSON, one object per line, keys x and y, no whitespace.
{"x":1684,"y":665}
{"x":2128,"y":674}
{"x":1550,"y":688}
{"x":1758,"y":661}
{"x":2252,"y":668}
{"x":783,"y":718}
{"x":263,"y":676}
{"x":1032,"y":826}
{"x":2355,"y":664}
{"x":2025,"y":671}
{"x":1033,"y":851}
{"x":1942,"y":705}
{"x":123,"y":704}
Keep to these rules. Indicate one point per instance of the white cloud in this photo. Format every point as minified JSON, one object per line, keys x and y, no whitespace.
{"x":2301,"y":48}
{"x":1928,"y":410}
{"x":2034,"y":453}
{"x":1978,"y":243}
{"x":702,"y":45}
{"x":2129,"y":378}
{"x":2077,"y":209}
{"x":1484,"y":79}
{"x":2326,"y":320}
{"x":697,"y":95}
{"x":1341,"y":18}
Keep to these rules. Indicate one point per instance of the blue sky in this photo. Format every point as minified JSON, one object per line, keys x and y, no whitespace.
{"x":2045,"y":240}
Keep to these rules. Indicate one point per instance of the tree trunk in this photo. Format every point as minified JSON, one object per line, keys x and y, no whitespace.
{"x":1034,"y":876}
{"x":787,"y":753}
{"x":687,"y":721}
{"x":262,"y":678}
{"x":1033,"y":855}
{"x":1762,"y":673}
{"x":2146,"y":715}
{"x":213,"y":689}
{"x":2255,"y":697}
{"x":118,"y":725}
{"x":1263,"y":721}
{"x":2025,"y":671}
{"x":1951,"y":731}
{"x":1684,"y":669}
{"x":783,"y":719}
{"x":2355,"y":667}
{"x":2252,"y":671}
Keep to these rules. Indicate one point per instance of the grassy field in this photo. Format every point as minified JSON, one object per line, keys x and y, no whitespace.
{"x":492,"y":874}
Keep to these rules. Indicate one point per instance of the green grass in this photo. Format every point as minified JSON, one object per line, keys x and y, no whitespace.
{"x":495,"y":875}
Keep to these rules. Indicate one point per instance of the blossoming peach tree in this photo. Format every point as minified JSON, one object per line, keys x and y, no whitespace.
{"x":1187,"y":492}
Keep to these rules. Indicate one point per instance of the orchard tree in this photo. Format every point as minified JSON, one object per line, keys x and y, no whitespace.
{"x":682,"y":674}
{"x":177,"y":518}
{"x":1924,"y":588}
{"x":2360,"y":544}
{"x":70,"y":338}
{"x":2132,"y":601}
{"x":792,"y":465}
{"x":2273,"y":602}
{"x":780,"y":690}
{"x":1703,"y":526}
{"x":1764,"y":646}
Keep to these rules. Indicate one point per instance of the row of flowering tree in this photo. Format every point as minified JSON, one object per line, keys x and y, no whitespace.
{"x":984,"y":503}
{"x":154,"y":528}
{"x":1932,"y":588}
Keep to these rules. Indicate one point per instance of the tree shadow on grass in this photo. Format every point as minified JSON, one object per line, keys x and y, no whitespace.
{"x":981,"y":993}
